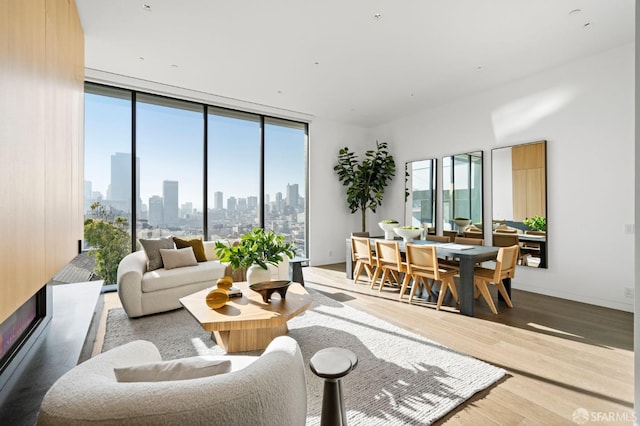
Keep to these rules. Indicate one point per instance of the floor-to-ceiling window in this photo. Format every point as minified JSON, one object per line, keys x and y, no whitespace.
{"x":170,"y":166}
{"x":284,"y":180}
{"x":107,"y":151}
{"x":199,"y":170}
{"x":234,"y":164}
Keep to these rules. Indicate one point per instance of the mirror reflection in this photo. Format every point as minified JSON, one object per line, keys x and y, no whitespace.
{"x":462,"y":192}
{"x":519,"y":194}
{"x":420,"y":187}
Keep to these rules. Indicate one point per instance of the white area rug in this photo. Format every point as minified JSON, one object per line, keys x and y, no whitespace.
{"x":401,"y":378}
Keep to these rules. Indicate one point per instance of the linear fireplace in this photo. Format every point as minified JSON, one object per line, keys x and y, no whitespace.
{"x":21,"y":330}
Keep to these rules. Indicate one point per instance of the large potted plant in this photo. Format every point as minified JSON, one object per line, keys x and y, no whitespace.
{"x":365,"y":180}
{"x":254,"y":252}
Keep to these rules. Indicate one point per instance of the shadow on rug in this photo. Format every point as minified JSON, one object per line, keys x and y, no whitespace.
{"x":401,"y":378}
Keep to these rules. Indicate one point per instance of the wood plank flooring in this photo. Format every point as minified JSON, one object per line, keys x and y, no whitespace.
{"x":560,"y":355}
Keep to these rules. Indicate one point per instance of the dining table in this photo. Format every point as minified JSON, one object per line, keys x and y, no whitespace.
{"x":468,"y":256}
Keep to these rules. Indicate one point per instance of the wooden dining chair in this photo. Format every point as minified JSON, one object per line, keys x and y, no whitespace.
{"x":363,"y":257}
{"x":473,"y":234}
{"x":389,"y":263}
{"x":505,"y":268}
{"x":508,"y":240}
{"x":451,"y":234}
{"x":422,"y":266}
{"x":469,"y":241}
{"x":438,"y":238}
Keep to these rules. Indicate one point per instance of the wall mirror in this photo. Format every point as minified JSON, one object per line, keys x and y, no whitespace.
{"x":462,"y":191}
{"x":519,"y":194}
{"x":420,"y":190}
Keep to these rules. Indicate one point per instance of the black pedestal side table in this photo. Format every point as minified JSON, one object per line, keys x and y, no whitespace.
{"x":332,"y":364}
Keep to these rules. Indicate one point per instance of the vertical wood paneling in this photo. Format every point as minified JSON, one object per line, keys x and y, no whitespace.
{"x":528,"y":167}
{"x":40,"y":144}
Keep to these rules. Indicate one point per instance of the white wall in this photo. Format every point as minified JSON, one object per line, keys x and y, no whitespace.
{"x":330,"y":221}
{"x":585,"y":110}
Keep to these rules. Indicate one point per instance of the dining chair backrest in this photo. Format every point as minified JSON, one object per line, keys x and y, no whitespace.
{"x":388,"y":254}
{"x":506,"y":263}
{"x":506,"y":231}
{"x":473,"y":234}
{"x":451,"y":234}
{"x":470,"y":241}
{"x":361,"y":249}
{"x":360,"y":234}
{"x":533,"y":232}
{"x":438,"y":238}
{"x":422,"y":260}
{"x":505,"y":240}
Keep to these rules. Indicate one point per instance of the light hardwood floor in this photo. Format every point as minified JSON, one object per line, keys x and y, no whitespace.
{"x":561,"y":356}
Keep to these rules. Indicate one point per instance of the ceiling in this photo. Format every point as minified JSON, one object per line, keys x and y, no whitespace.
{"x":362,"y":62}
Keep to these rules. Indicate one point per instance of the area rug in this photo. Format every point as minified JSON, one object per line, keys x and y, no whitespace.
{"x":401,"y":377}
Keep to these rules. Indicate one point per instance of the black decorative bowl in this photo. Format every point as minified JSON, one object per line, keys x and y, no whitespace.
{"x":267,"y":288}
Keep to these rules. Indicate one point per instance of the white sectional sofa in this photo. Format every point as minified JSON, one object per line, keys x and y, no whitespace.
{"x":269,"y":390}
{"x":145,"y":292}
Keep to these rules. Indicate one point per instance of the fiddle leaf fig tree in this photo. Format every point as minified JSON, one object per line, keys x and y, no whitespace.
{"x":365,"y":180}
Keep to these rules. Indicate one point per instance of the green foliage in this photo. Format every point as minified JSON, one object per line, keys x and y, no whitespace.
{"x":538,"y":223}
{"x":365,"y":180}
{"x":258,"y":247}
{"x":110,"y":239}
{"x":408,"y":227}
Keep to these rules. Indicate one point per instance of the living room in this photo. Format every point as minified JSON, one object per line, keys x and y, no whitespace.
{"x":582,"y":104}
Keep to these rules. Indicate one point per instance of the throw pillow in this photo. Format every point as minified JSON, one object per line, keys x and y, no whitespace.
{"x":196,"y":244}
{"x":178,"y":258}
{"x":177,"y":369}
{"x":152,"y":249}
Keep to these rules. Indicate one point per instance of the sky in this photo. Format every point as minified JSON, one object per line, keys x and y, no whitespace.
{"x":170,"y":147}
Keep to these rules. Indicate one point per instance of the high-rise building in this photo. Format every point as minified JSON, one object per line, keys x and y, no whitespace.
{"x":252,"y":202}
{"x":120,"y":187}
{"x":170,"y":197}
{"x":231,"y":203}
{"x":278,"y":201}
{"x":156,"y":215}
{"x":292,"y":195}
{"x":217,"y":200}
{"x":242,"y":204}
{"x":186,"y":209}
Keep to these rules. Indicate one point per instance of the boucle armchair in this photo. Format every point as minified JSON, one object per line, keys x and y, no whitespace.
{"x":270,"y":390}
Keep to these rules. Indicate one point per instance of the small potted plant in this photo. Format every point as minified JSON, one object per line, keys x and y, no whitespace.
{"x":461,"y":222}
{"x":537,"y":223}
{"x":255,"y":251}
{"x":387,"y":226}
{"x":408,"y":233}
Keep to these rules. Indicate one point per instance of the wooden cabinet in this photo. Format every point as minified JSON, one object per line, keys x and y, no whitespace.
{"x":529,"y":186}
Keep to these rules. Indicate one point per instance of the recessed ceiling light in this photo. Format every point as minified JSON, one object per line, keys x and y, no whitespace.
{"x":146,"y":7}
{"x":586,"y":25}
{"x":174,"y":66}
{"x":479,"y":67}
{"x":316,"y":63}
{"x":377,"y":16}
{"x":141,"y":58}
{"x":575,"y":12}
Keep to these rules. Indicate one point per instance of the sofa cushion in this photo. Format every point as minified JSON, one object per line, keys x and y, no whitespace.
{"x":161,"y":279}
{"x":196,"y":244}
{"x":177,"y":369}
{"x":152,"y":250}
{"x":178,"y":258}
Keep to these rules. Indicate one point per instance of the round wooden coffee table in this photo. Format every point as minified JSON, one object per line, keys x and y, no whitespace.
{"x":247,"y":323}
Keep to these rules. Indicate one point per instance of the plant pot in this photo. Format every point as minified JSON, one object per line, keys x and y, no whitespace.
{"x":408,"y":235}
{"x":461,"y":223}
{"x":388,"y":230}
{"x":257,"y":274}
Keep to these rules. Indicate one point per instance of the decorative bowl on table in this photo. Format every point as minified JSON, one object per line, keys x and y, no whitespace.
{"x":408,"y":233}
{"x":461,"y":222}
{"x":387,"y":226}
{"x":267,"y":288}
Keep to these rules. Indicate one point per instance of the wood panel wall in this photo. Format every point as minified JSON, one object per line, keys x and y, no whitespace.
{"x":529,"y":186}
{"x":41,"y":144}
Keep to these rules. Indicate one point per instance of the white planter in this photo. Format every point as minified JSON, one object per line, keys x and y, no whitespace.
{"x":462,"y":223}
{"x":408,"y":235}
{"x":257,"y":274}
{"x":388,"y":230}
